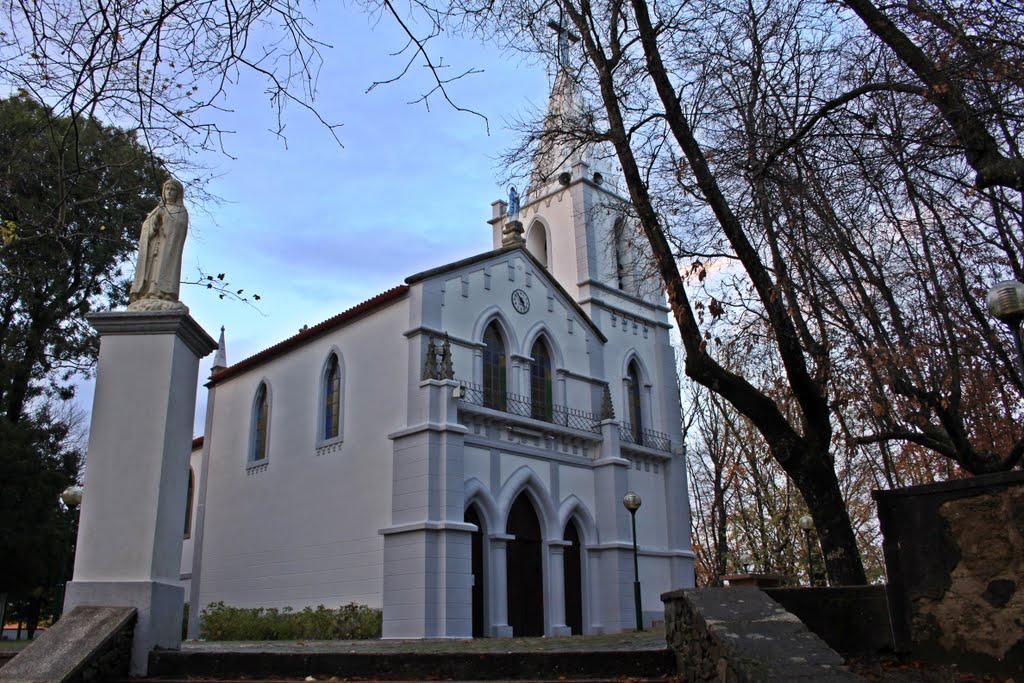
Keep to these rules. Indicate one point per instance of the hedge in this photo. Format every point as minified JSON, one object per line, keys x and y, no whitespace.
{"x":348,"y":622}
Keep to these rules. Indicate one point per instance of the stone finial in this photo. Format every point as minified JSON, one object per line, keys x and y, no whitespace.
{"x":512,"y":234}
{"x":447,"y":367}
{"x":220,"y":359}
{"x":607,"y":409}
{"x":430,"y":361}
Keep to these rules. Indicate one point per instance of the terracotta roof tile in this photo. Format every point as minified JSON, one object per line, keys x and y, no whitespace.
{"x":328,"y":325}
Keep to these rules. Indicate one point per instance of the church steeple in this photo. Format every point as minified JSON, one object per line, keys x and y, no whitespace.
{"x":220,"y":359}
{"x":556,"y":152}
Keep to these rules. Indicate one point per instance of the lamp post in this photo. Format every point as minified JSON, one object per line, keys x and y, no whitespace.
{"x":72,"y":497}
{"x":631,"y":501}
{"x":806,"y":524}
{"x":1006,"y":304}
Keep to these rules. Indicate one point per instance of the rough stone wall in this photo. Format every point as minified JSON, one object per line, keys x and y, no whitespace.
{"x":955,"y":558}
{"x":740,"y":635}
{"x":982,"y":609}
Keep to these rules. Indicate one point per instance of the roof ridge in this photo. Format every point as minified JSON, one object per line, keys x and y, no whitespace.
{"x":331,"y":323}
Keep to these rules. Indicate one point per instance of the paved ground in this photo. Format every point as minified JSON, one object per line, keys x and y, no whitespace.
{"x":647,"y":640}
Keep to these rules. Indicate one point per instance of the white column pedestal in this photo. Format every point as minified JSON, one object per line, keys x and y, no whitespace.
{"x":499,"y":586}
{"x":136,"y":476}
{"x":556,"y":592}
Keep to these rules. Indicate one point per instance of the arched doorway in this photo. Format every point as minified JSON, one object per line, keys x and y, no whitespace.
{"x":525,"y":570}
{"x":573,"y":579}
{"x":477,"y":563}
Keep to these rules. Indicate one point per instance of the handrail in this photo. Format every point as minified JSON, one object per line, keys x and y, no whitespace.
{"x":523,"y":406}
{"x":644,"y":437}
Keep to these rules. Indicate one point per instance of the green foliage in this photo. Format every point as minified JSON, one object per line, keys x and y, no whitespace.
{"x":72,"y":197}
{"x":35,"y":466}
{"x":348,"y":622}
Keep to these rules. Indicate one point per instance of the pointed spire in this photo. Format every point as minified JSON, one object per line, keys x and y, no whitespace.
{"x":447,"y":367}
{"x":565,"y":108}
{"x":607,"y":409}
{"x":220,"y":359}
{"x":555,"y":153}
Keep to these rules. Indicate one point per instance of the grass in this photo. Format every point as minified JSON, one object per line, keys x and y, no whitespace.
{"x":652,"y":639}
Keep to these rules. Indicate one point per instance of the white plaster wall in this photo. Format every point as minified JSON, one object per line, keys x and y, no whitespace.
{"x":303,"y":530}
{"x":578,"y":481}
{"x":477,"y":464}
{"x":651,"y":529}
{"x":487,"y":290}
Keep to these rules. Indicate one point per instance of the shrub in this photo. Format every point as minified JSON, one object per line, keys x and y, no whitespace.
{"x":348,"y":622}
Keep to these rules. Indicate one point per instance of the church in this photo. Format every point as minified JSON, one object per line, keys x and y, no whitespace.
{"x":456,"y":449}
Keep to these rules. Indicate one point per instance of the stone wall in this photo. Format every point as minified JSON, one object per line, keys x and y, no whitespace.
{"x":851,"y":619}
{"x":954,"y":553}
{"x":740,"y":635}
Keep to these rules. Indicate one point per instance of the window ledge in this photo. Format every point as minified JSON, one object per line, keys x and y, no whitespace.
{"x":329,"y":445}
{"x":257,"y":467}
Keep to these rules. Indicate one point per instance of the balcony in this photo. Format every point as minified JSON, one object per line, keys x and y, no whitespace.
{"x":648,"y":438}
{"x":523,"y":406}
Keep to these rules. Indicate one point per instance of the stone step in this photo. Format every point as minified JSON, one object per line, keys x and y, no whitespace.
{"x":323,"y":679}
{"x":606,"y":665}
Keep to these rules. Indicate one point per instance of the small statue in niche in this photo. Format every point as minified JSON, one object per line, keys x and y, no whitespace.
{"x":158,"y":267}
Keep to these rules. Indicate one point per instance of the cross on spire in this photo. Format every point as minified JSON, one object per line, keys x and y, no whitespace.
{"x":564,"y":36}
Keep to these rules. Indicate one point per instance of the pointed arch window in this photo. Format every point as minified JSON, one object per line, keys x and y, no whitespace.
{"x":633,"y":398}
{"x":541,"y":392}
{"x":537,"y":243}
{"x":495,"y":374}
{"x":261,"y":423}
{"x":332,"y":399}
{"x":623,"y":267}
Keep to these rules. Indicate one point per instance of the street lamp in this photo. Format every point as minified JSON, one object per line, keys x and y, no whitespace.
{"x":1006,"y":304}
{"x":631,"y":501}
{"x":806,"y":524}
{"x":72,"y":497}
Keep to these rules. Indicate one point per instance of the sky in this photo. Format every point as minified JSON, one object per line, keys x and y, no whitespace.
{"x":315,"y":228}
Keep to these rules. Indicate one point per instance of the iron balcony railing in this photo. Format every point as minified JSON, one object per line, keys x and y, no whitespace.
{"x":536,"y":409}
{"x":644,"y":437}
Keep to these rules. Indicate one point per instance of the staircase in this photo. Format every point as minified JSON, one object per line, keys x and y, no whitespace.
{"x":257,"y":663}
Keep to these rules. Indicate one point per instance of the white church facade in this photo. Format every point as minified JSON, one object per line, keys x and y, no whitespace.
{"x":456,"y":449}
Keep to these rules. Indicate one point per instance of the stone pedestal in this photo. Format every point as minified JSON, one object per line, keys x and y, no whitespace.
{"x":136,"y":476}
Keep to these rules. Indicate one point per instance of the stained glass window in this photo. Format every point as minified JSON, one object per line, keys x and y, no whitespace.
{"x":332,"y":398}
{"x":542,"y":402}
{"x":495,"y":382}
{"x":259,"y":443}
{"x":635,"y":416}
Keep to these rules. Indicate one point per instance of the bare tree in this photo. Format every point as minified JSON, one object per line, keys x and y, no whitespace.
{"x":805,"y":196}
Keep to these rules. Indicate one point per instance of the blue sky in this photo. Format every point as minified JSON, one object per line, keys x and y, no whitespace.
{"x":315,"y":228}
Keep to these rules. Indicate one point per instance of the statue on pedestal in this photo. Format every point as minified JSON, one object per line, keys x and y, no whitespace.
{"x":158,"y":268}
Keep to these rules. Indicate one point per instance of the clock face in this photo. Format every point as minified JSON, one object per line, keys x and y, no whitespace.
{"x":520,"y":301}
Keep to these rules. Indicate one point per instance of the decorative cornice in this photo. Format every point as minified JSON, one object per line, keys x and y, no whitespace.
{"x":177,"y":322}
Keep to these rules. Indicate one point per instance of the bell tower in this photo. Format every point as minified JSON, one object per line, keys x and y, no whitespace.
{"x":576,"y":217}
